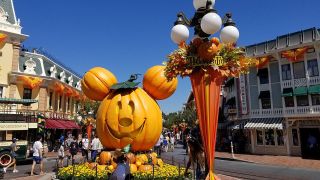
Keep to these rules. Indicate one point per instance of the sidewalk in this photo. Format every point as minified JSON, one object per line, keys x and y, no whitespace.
{"x":287,"y":161}
{"x":47,"y":176}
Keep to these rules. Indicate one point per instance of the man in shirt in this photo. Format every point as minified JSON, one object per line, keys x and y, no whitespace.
{"x":94,"y":148}
{"x":37,"y":155}
{"x":85,"y":147}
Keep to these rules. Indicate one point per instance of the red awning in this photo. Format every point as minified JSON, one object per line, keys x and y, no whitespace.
{"x":61,"y":124}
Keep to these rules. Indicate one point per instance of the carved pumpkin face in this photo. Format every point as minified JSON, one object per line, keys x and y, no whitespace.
{"x":129,"y":116}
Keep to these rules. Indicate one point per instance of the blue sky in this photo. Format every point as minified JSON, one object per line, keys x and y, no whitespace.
{"x":128,"y":37}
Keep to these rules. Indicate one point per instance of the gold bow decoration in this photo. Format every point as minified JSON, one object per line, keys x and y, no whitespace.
{"x":262,"y":61}
{"x":30,"y":82}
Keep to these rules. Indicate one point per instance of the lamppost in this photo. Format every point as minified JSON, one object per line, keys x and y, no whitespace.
{"x":206,"y":78}
{"x":205,"y":22}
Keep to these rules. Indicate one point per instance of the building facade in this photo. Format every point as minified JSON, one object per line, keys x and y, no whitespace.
{"x":276,"y":107}
{"x":33,"y":84}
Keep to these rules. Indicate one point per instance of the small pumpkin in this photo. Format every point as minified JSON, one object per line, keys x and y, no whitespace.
{"x":131,"y":157}
{"x":111,"y":167}
{"x":138,"y":163}
{"x":114,"y":164}
{"x":92,"y":165}
{"x":145,"y":168}
{"x":133,"y":168}
{"x":129,"y":116}
{"x":160,"y":162}
{"x":156,"y":84}
{"x":207,"y":50}
{"x":96,"y":83}
{"x":105,"y":157}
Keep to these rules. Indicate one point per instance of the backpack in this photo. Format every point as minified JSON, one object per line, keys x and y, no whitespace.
{"x":80,"y":144}
{"x":73,"y":148}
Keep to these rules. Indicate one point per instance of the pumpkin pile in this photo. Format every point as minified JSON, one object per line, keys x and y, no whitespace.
{"x":128,"y":115}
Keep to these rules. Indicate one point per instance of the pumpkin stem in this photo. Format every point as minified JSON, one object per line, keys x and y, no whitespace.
{"x":133,"y":77}
{"x":129,"y":84}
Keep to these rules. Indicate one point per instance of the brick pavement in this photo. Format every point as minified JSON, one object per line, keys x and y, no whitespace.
{"x":288,"y":161}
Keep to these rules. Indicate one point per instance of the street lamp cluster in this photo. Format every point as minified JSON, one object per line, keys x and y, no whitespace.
{"x":206,"y":22}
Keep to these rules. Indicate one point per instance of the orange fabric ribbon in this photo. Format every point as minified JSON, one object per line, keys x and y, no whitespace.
{"x":68,"y":91}
{"x":206,"y":88}
{"x":295,"y":54}
{"x":3,"y":38}
{"x":30,"y":82}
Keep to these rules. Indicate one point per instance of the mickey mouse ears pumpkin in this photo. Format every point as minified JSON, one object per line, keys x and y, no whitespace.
{"x":96,"y":83}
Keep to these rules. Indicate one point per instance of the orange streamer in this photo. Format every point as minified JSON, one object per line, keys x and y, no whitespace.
{"x":68,"y":91}
{"x":295,"y":54}
{"x":30,"y":82}
{"x":3,"y":38}
{"x":206,"y":88}
{"x":58,"y":87}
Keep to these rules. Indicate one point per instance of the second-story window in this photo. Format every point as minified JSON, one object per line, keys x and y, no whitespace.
{"x":302,"y":100}
{"x":315,"y":99}
{"x":50,"y":99}
{"x":286,"y":72}
{"x":299,"y":70}
{"x":288,"y":101}
{"x":265,"y":99}
{"x":313,"y":68}
{"x":263,"y":76}
{"x":27,"y":93}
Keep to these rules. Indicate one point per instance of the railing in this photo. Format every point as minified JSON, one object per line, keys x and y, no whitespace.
{"x":300,"y":82}
{"x":290,"y":111}
{"x":314,"y":80}
{"x":287,"y":83}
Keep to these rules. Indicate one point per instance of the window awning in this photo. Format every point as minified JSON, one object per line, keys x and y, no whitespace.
{"x":287,"y":92}
{"x":314,"y":89}
{"x":61,"y":124}
{"x":17,"y":101}
{"x":231,"y":101}
{"x":264,"y":123}
{"x":264,"y":95}
{"x":300,"y":91}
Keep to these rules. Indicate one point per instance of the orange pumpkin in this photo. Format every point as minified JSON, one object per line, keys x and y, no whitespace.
{"x":96,"y":83}
{"x":207,"y":50}
{"x":131,"y":158}
{"x":145,"y":168}
{"x":113,"y":164}
{"x":133,"y":168}
{"x":138,"y":163}
{"x":92,"y":165}
{"x":104,"y":157}
{"x":129,"y":116}
{"x":156,"y":84}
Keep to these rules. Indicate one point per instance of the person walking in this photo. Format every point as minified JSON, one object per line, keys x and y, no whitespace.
{"x":165,"y":144}
{"x":73,"y":149}
{"x":13,"y":150}
{"x":157,"y":147}
{"x":85,"y":148}
{"x":61,"y":155}
{"x":172,"y":142}
{"x":37,"y":155}
{"x":94,"y":148}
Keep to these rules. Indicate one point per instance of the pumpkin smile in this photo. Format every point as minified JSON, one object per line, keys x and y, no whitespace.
{"x":132,"y":135}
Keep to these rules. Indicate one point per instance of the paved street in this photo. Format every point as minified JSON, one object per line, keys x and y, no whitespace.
{"x":247,"y":170}
{"x":224,"y":166}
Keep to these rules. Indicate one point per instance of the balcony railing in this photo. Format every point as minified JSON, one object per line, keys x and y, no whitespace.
{"x":301,"y":82}
{"x":290,"y":111}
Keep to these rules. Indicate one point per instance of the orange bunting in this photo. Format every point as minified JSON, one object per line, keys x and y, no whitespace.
{"x":261,"y":62}
{"x":295,"y":54}
{"x":68,"y":91}
{"x":30,"y":82}
{"x":58,"y":88}
{"x":3,"y":38}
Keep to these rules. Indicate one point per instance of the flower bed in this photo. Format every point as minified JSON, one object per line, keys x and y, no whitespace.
{"x":84,"y":171}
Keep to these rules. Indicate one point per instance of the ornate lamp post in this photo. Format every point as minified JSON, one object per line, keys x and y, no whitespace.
{"x":205,"y":22}
{"x":207,"y":63}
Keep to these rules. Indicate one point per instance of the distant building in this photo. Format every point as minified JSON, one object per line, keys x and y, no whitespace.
{"x":276,"y":107}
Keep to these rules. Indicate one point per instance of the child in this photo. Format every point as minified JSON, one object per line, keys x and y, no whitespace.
{"x":165,"y":144}
{"x":61,"y":154}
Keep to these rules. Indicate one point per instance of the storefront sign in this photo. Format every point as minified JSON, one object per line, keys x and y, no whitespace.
{"x":33,"y":125}
{"x":13,"y":126}
{"x":243,"y":95}
{"x":8,"y":143}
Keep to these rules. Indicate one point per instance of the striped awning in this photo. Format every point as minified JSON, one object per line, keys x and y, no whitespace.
{"x":264,"y":123}
{"x":238,"y":125}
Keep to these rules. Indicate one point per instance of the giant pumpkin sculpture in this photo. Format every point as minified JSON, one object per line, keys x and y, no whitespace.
{"x":128,"y":114}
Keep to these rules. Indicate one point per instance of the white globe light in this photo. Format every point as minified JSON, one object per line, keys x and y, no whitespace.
{"x":229,"y":34}
{"x":179,"y":33}
{"x":201,"y":3}
{"x":211,"y":23}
